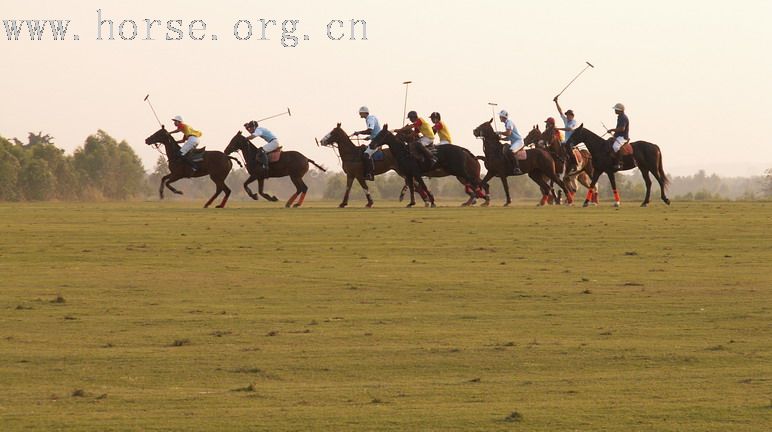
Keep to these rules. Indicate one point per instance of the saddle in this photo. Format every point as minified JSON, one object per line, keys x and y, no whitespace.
{"x":197,"y":155}
{"x":626,"y":149}
{"x":274,"y":156}
{"x":521,"y":155}
{"x":578,"y":157}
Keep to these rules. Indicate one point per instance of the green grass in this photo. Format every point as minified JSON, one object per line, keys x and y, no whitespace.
{"x":164,"y":316}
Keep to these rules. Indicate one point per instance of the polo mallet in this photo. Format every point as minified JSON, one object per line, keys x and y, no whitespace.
{"x":404,"y":110}
{"x":589,"y":65}
{"x":493,"y":111}
{"x":288,"y":112}
{"x":605,"y":129}
{"x":147,"y":99}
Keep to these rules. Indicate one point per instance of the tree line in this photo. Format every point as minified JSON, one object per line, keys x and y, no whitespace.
{"x":105,"y":169}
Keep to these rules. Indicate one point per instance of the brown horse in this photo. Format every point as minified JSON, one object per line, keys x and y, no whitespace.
{"x":215,"y":164}
{"x":290,"y":163}
{"x":646,"y":156}
{"x":538,"y":164}
{"x":567,"y":168}
{"x":351,"y":157}
{"x":408,"y":165}
{"x":452,"y":160}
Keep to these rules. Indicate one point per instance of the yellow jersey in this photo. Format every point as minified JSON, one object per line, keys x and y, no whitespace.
{"x":188,"y":131}
{"x":443,"y":132}
{"x":424,"y":128}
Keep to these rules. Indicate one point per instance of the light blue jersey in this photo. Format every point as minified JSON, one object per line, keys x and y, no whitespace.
{"x":263,"y":133}
{"x":374,"y":125}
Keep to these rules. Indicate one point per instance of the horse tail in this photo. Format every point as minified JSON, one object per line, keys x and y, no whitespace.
{"x":317,"y":165}
{"x":237,"y":161}
{"x":661,"y":169}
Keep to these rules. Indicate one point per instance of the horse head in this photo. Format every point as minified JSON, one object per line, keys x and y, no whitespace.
{"x":161,"y":136}
{"x":336,"y":136}
{"x":533,"y":136}
{"x":238,"y":142}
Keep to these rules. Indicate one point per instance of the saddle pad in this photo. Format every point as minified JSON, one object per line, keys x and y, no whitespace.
{"x":196,"y":157}
{"x":378,"y":156}
{"x":521,"y":155}
{"x":626,"y":149}
{"x":274,"y":156}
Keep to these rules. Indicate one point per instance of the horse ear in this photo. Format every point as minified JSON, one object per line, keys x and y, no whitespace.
{"x":240,"y":134}
{"x":163,"y":127}
{"x":339,"y":124}
{"x":581,"y":126}
{"x":386,"y":127}
{"x":491,"y":122}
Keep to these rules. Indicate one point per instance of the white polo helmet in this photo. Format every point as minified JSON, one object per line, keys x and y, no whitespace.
{"x":178,"y":118}
{"x":504,"y":114}
{"x":364,"y":110}
{"x":619,"y":107}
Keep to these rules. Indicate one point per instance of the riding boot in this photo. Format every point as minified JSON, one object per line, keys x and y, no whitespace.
{"x":430,"y":158}
{"x":263,"y":156}
{"x":617,"y":160}
{"x":515,"y":163}
{"x":189,"y":162}
{"x":368,"y":166}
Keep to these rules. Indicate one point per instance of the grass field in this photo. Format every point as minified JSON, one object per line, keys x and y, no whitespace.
{"x":164,"y":316}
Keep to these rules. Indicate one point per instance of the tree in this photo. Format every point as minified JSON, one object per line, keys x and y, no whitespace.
{"x":109,"y":168}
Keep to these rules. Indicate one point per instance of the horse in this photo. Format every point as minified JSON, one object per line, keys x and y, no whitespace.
{"x":538,"y":164}
{"x":290,"y":163}
{"x":408,"y":166}
{"x":457,"y":161}
{"x":646,"y":156}
{"x":215,"y":164}
{"x":353,"y":166}
{"x":582,"y":171}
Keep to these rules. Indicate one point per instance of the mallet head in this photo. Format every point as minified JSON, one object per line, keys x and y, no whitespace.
{"x":590,"y":64}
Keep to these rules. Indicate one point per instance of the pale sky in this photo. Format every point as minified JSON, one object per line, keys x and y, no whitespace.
{"x":694,"y":76}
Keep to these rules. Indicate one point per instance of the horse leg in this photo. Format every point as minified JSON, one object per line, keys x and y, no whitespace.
{"x":469,"y":191}
{"x":349,"y":182}
{"x":647,"y":180}
{"x":428,"y":193}
{"x":217,"y":192}
{"x":402,"y":193}
{"x":369,"y":197}
{"x":613,"y":180}
{"x":505,"y":184}
{"x":161,"y":188}
{"x":303,"y":189}
{"x":172,"y":179}
{"x":661,"y":177}
{"x":591,"y":192}
{"x":248,"y":190}
{"x":409,"y":183}
{"x":227,"y":195}
{"x":543,"y":186}
{"x":260,"y":185}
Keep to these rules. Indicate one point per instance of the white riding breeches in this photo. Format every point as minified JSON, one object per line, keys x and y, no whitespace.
{"x":370,"y":151}
{"x":271,"y":146}
{"x":618,"y":143}
{"x":516,"y":146}
{"x":443,"y":142}
{"x":426,"y":141}
{"x":189,"y":145}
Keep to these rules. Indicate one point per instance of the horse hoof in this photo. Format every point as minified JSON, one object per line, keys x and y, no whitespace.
{"x":667,"y":201}
{"x":586,"y":204}
{"x":507,"y":204}
{"x":254,"y":197}
{"x":369,"y":206}
{"x":296,"y":206}
{"x":434,"y":205}
{"x":617,"y":204}
{"x":341,"y":205}
{"x":485,"y":204}
{"x":644,"y":205}
{"x":274,"y":199}
{"x":178,"y":192}
{"x":410,"y":205}
{"x":220,"y":206}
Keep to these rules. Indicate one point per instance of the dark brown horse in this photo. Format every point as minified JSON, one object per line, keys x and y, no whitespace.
{"x":351,"y":157}
{"x":215,"y":164}
{"x":538,"y":164}
{"x":646,"y":156}
{"x":452,"y":160}
{"x":567,"y":168}
{"x":290,"y":163}
{"x":408,"y":165}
